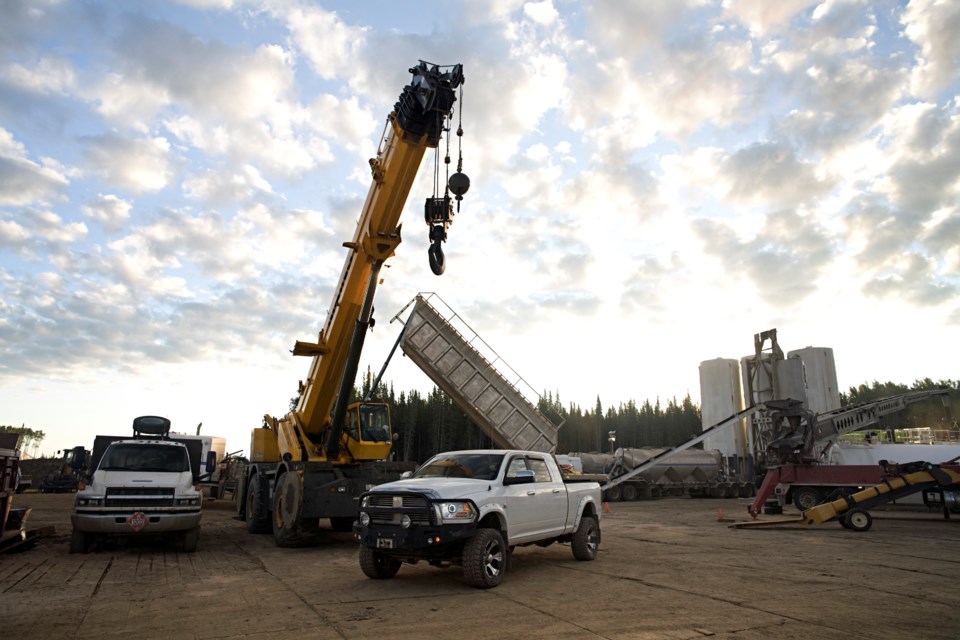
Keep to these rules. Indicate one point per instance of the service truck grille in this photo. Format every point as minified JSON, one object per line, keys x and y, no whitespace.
{"x":385,"y":508}
{"x":139,"y":498}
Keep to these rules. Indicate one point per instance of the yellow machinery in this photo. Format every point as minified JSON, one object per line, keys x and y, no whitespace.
{"x":852,"y":511}
{"x":313,"y":463}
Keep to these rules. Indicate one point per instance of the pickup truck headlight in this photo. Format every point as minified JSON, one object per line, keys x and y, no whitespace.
{"x":450,"y":512}
{"x":90,"y":502}
{"x":188,"y":502}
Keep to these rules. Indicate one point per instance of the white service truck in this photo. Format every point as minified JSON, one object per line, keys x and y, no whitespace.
{"x":143,"y":485}
{"x":472,"y":508}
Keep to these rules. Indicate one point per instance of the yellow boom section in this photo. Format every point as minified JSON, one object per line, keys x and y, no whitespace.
{"x":376,"y":238}
{"x":317,"y":428}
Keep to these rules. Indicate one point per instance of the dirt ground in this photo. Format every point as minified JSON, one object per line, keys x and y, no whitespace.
{"x":667,"y":569}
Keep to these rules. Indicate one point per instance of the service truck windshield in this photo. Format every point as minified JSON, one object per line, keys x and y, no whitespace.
{"x":145,"y":457}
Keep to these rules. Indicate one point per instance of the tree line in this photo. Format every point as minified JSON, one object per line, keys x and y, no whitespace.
{"x":27,"y":438}
{"x":427,"y":424}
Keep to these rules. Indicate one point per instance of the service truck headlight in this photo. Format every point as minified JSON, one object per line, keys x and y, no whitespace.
{"x":188,"y":502}
{"x":364,"y":519}
{"x":89,"y":502}
{"x":455,"y":512}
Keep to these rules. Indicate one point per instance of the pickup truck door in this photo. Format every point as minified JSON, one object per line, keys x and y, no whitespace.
{"x":538,"y":509}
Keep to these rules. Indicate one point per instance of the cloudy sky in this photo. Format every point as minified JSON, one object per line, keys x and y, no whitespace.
{"x":653,"y":182}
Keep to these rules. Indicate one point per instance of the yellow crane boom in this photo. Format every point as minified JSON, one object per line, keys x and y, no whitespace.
{"x":325,"y":436}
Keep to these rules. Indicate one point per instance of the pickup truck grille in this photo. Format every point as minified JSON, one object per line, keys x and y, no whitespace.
{"x":137,"y":498}
{"x":384,"y":508}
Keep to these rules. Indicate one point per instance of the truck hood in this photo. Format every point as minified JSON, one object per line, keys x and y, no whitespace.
{"x":438,"y":488}
{"x":154,"y":480}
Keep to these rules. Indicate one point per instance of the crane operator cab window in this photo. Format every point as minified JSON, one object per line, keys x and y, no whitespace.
{"x":370,"y":423}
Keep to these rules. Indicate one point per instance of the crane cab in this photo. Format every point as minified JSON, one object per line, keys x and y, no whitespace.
{"x":368,"y":432}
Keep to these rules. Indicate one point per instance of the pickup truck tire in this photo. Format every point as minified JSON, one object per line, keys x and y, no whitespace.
{"x":79,"y":542}
{"x":376,"y":565}
{"x":257,"y":514}
{"x":190,"y":539}
{"x":586,"y":539}
{"x":485,"y":557}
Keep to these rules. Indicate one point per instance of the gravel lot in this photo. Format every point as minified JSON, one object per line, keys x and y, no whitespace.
{"x":667,"y":569}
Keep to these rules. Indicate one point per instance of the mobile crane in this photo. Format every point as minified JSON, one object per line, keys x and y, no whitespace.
{"x":316,"y":461}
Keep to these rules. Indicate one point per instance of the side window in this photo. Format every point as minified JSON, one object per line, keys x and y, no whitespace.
{"x":516,"y":464}
{"x":541,"y":472}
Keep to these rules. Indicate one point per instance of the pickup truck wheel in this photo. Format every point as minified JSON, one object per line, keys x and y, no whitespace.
{"x":257,"y":514}
{"x":376,"y":565}
{"x":190,"y":539}
{"x":485,"y":559}
{"x":79,"y":542}
{"x":586,"y":539}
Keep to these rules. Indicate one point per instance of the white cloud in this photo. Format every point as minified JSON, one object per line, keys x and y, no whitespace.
{"x":141,"y":165}
{"x":49,"y":75}
{"x":23,"y":181}
{"x":109,"y":210}
{"x":763,"y":17}
{"x":933,"y":26}
{"x":541,"y":12}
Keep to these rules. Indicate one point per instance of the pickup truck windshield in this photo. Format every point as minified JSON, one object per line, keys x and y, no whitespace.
{"x":145,"y":457}
{"x":480,"y":466}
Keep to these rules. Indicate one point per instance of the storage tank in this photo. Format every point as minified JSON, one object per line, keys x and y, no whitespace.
{"x":690,"y":466}
{"x":789,"y":383}
{"x":823,"y":392}
{"x":721,"y":396}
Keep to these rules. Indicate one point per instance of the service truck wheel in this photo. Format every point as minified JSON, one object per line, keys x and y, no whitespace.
{"x":806,"y":497}
{"x":376,"y":565}
{"x":79,"y":542}
{"x":485,"y":559}
{"x":257,"y":514}
{"x":586,"y":539}
{"x":190,"y":539}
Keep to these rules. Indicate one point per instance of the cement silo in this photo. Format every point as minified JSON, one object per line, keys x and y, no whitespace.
{"x":820,"y":371}
{"x":721,"y":396}
{"x":772,"y":379}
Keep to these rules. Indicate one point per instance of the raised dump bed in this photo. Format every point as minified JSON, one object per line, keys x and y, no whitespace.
{"x":488,"y":398}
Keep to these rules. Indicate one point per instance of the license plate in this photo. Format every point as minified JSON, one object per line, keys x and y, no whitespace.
{"x":384,"y":543}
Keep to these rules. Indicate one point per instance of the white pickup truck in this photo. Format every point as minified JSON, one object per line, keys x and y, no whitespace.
{"x":472,"y":508}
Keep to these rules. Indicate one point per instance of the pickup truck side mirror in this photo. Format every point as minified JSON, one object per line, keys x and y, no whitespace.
{"x":523,"y":477}
{"x":406,"y":474}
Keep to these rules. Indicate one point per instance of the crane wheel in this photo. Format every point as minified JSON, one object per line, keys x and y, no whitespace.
{"x":289,"y":530}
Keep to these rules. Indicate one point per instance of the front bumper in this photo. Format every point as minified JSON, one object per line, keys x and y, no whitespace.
{"x":419,"y":542}
{"x":156,"y":522}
